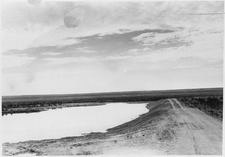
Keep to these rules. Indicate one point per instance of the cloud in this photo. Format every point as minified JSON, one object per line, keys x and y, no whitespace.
{"x":179,"y":41}
{"x":15,"y":61}
{"x":111,"y":46}
{"x":51,"y":53}
{"x":31,"y":52}
{"x":88,"y":46}
{"x":85,"y":50}
{"x":189,"y":72}
{"x":89,"y":18}
{"x":59,"y":43}
{"x":66,"y":60}
{"x":34,"y":2}
{"x":156,"y":40}
{"x":20,"y":15}
{"x":94,"y":15}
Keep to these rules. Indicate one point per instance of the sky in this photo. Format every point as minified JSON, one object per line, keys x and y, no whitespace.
{"x":62,"y":47}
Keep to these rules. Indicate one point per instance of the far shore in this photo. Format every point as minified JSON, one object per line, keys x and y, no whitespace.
{"x":47,"y":107}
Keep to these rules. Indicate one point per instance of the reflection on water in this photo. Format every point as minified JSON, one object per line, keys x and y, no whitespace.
{"x":65,"y":122}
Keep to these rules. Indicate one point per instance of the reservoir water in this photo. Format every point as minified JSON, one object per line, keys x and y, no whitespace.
{"x":73,"y":121}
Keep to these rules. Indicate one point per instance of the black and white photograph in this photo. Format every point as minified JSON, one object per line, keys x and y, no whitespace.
{"x":111,"y":77}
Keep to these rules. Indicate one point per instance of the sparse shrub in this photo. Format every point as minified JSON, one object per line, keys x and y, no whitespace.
{"x":85,"y":153}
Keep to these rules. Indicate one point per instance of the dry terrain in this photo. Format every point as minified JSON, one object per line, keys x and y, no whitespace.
{"x":37,"y":103}
{"x":170,"y":127}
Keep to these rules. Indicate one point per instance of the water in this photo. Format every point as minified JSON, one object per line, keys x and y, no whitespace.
{"x":65,"y":122}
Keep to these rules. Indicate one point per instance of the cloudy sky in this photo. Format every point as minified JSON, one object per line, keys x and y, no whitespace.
{"x":51,"y":47}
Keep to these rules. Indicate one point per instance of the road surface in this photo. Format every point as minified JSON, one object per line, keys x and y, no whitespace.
{"x":203,"y":133}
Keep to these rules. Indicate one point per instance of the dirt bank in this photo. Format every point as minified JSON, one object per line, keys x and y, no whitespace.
{"x":168,"y":128}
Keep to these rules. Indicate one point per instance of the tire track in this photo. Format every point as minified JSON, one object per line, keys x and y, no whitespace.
{"x":171,"y":102}
{"x":174,"y":104}
{"x":177,"y":102}
{"x":201,"y":132}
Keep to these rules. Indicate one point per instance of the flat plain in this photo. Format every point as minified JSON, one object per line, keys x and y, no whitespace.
{"x":178,"y":122}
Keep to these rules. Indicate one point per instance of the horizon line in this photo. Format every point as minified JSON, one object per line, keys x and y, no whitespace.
{"x":113,"y":92}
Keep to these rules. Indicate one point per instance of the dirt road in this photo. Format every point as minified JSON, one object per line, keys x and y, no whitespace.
{"x":202,"y":133}
{"x":169,"y":127}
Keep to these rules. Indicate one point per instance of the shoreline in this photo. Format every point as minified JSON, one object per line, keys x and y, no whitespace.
{"x":47,"y":107}
{"x":162,"y":130}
